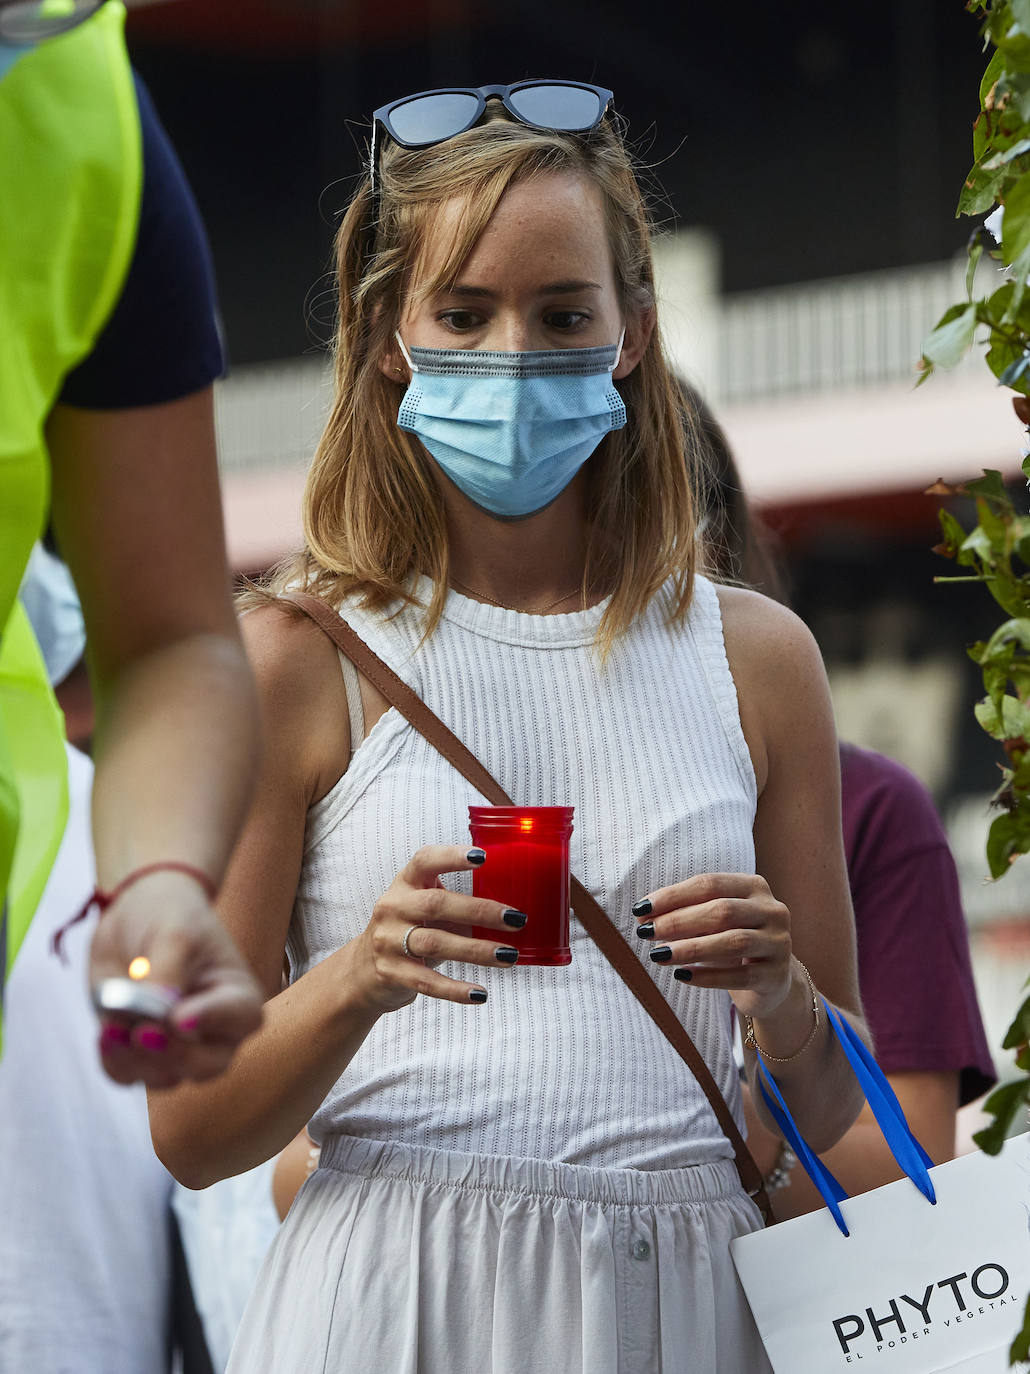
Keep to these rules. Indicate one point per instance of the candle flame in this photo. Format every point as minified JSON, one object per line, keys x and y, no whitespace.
{"x":140,"y":967}
{"x":526,"y":823}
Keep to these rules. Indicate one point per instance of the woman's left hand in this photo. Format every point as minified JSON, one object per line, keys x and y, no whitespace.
{"x":723,"y":930}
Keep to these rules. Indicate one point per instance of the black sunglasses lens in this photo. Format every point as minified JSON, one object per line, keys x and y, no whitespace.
{"x":432,"y":118}
{"x":557,"y":107}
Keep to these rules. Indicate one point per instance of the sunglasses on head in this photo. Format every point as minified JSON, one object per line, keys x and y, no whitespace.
{"x":32,"y":21}
{"x":430,"y":117}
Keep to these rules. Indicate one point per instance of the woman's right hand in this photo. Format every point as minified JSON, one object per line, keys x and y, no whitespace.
{"x":388,"y":978}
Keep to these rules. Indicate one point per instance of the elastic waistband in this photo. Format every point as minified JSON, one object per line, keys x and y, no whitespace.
{"x":698,"y":1184}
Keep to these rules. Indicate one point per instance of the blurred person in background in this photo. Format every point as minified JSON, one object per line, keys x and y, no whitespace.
{"x":108,"y":350}
{"x":478,"y":1202}
{"x":915,"y":972}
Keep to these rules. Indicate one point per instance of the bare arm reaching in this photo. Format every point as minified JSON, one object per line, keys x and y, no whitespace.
{"x":138,"y":517}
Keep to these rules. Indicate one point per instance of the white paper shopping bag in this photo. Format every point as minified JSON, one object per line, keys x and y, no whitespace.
{"x":915,"y":1288}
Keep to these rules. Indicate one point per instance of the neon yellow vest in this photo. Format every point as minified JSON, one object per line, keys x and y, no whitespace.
{"x":71,"y":179}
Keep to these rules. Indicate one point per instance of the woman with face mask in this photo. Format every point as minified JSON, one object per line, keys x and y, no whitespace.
{"x":517,"y":1170}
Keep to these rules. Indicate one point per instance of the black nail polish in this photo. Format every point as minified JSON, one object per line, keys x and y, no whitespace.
{"x":506,"y":954}
{"x":514,"y":918}
{"x":642,"y":908}
{"x":683,"y":974}
{"x":476,"y":856}
{"x":646,"y":931}
{"x":477,"y":995}
{"x":661,"y":955}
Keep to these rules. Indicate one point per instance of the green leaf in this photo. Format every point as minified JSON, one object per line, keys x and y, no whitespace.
{"x":996,"y":304}
{"x":1015,"y":224}
{"x":1020,"y":1347}
{"x":1009,"y":590}
{"x":1015,"y":87}
{"x":954,"y":534}
{"x":1015,"y":631}
{"x":1007,"y":155}
{"x":978,"y":542}
{"x":1019,"y":676}
{"x":994,"y":70}
{"x":999,"y":357}
{"x":977,"y":651}
{"x":1014,"y":371}
{"x":1002,"y":352}
{"x":1012,"y":722}
{"x":994,"y":525}
{"x":953,"y":336}
{"x":996,"y":680}
{"x":1019,"y":1032}
{"x":984,"y":126}
{"x":1004,"y":1105}
{"x":981,"y":190}
{"x":976,"y":252}
{"x":1008,"y":837}
{"x":992,"y":486}
{"x":1020,"y":273}
{"x":1013,"y":41}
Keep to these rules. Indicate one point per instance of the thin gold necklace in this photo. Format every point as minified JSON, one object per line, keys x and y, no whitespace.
{"x":463,"y":586}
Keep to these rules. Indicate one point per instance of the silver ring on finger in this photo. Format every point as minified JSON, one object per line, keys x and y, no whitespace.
{"x":404,"y":943}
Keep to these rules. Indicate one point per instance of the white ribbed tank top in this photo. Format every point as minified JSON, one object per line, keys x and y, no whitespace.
{"x":560,"y":1064}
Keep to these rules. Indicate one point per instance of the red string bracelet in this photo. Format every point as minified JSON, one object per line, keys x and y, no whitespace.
{"x":102,"y":900}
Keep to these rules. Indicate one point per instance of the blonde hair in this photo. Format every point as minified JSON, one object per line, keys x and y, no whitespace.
{"x":373,"y":513}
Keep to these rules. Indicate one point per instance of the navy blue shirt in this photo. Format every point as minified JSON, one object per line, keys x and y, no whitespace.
{"x":162,"y":340}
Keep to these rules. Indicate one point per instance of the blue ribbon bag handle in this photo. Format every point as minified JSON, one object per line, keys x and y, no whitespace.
{"x":906,"y":1149}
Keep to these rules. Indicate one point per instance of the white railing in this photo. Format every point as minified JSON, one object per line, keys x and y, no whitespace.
{"x":271,"y":415}
{"x":826,"y":335}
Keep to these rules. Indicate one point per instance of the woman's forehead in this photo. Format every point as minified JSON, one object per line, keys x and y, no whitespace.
{"x":550,"y":226}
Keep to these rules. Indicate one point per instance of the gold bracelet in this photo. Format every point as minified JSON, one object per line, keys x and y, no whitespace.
{"x":749,"y":1028}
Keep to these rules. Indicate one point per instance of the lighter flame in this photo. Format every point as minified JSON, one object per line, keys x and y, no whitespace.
{"x":140,"y":967}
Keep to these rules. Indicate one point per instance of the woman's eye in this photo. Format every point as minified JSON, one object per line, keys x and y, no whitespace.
{"x":565,"y":321}
{"x":461,"y":320}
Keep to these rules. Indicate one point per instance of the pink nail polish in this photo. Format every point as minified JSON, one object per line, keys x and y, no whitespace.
{"x":112,"y":1036}
{"x":190,"y":1024}
{"x":151,"y":1039}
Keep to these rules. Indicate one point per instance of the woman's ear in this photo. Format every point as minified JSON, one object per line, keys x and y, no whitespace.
{"x":393,"y":366}
{"x":639,"y":328}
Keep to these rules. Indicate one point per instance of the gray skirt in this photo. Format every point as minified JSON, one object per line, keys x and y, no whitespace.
{"x":413,"y":1261}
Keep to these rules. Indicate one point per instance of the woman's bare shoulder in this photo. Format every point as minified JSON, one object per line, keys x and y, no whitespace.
{"x":782,"y":692}
{"x":302,"y":694}
{"x":763,"y":636}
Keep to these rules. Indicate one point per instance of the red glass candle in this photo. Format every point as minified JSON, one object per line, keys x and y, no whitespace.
{"x":527,"y":867}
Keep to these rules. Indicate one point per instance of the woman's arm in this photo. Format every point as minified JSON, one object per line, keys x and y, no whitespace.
{"x":787,"y":718}
{"x":137,"y":513}
{"x":313,"y":1028}
{"x":747,"y":933}
{"x":862,"y":1160}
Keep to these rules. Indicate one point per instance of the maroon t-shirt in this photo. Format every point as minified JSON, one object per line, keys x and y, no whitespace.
{"x":913,"y":951}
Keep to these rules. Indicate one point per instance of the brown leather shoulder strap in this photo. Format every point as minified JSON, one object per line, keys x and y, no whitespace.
{"x":588,"y":910}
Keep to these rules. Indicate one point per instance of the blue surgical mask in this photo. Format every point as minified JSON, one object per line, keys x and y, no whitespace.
{"x":511,"y":430}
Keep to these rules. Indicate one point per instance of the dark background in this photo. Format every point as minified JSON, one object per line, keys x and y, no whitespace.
{"x":813,"y":140}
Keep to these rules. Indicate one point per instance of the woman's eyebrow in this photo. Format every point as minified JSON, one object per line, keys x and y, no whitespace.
{"x":555,"y":288}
